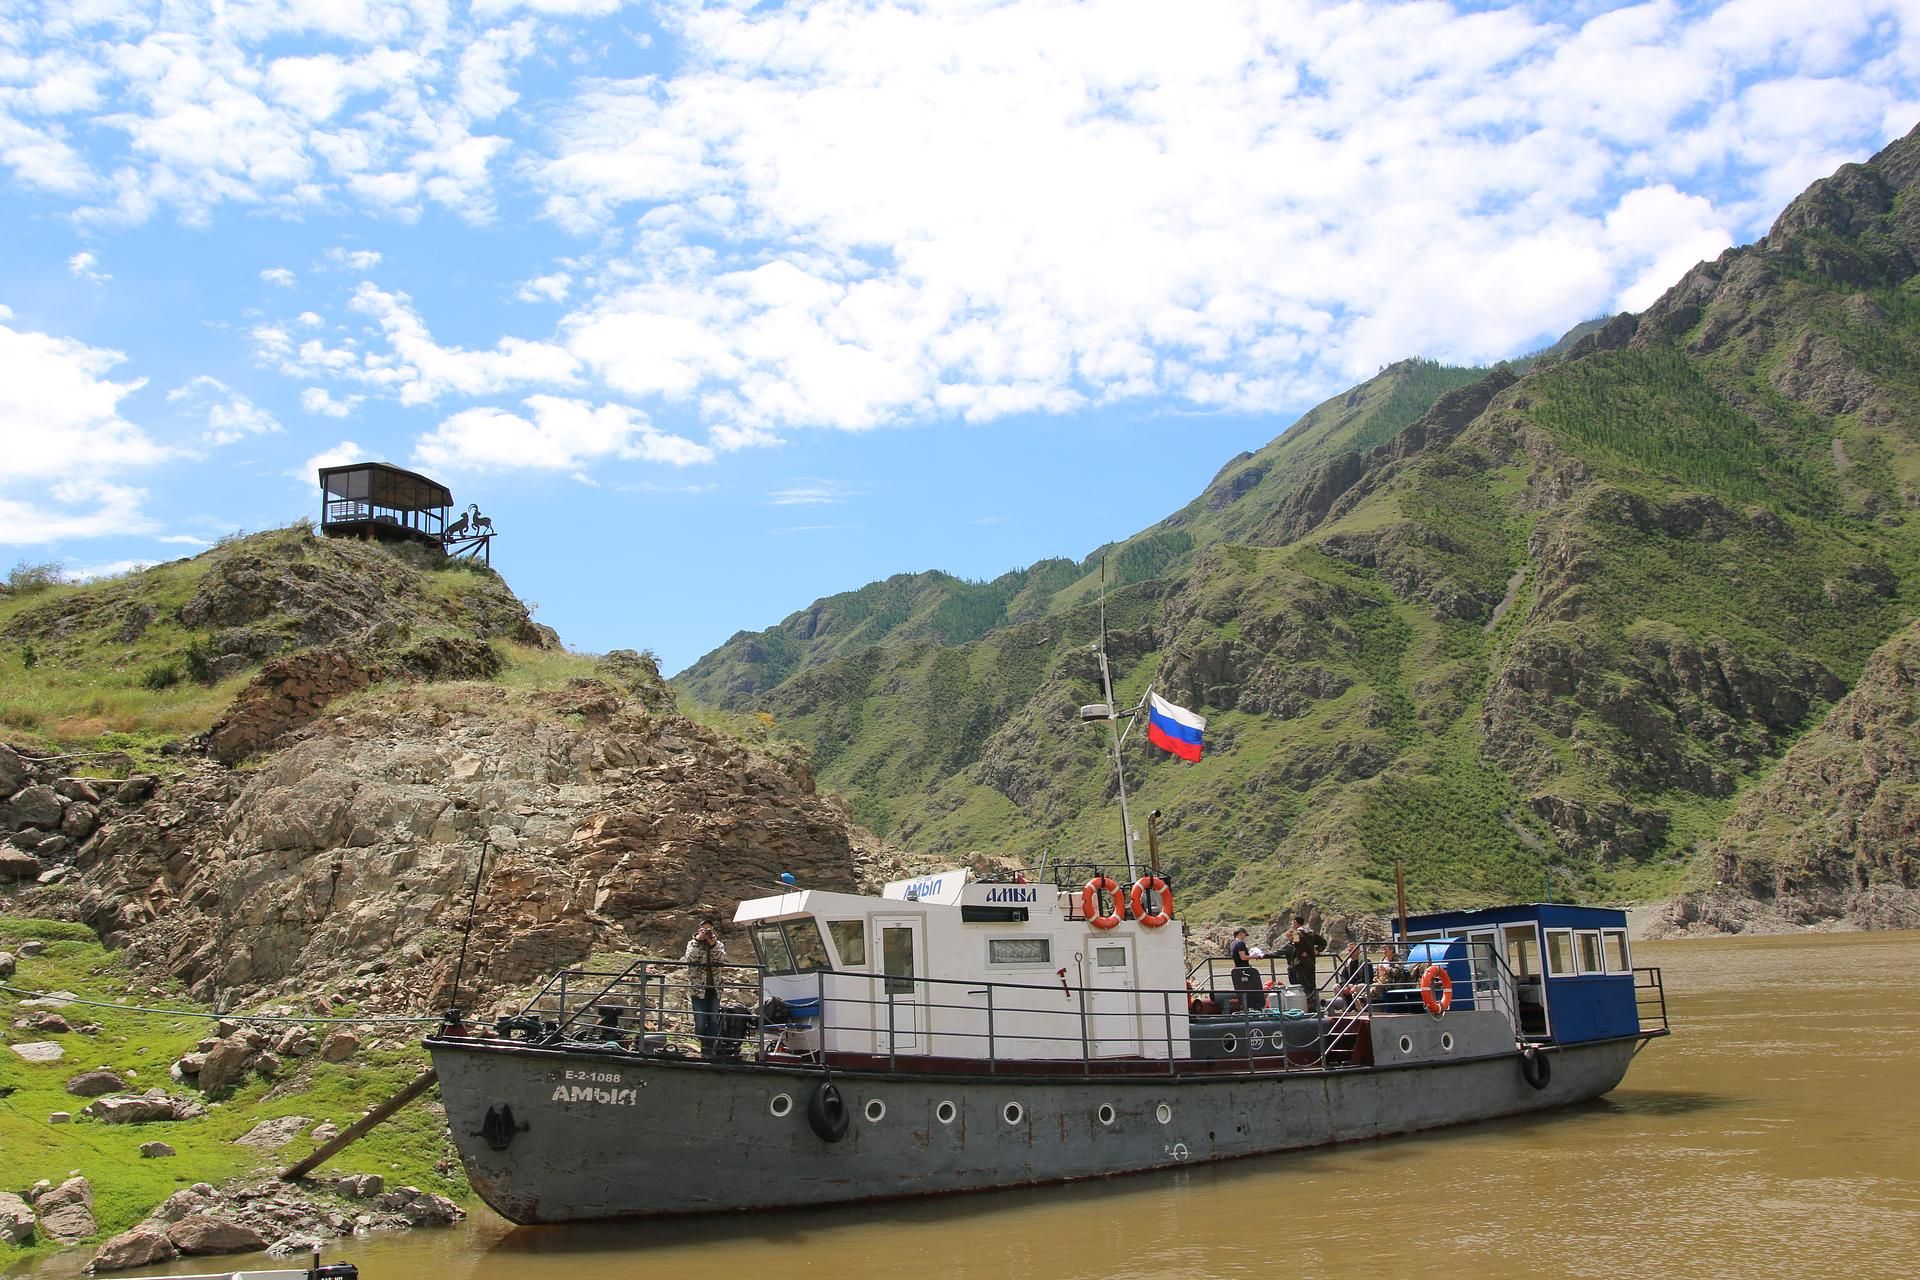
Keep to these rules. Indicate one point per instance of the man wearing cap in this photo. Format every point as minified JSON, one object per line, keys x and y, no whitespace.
{"x":706,"y":955}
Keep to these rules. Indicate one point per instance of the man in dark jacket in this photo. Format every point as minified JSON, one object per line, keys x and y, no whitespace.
{"x":1306,"y":945}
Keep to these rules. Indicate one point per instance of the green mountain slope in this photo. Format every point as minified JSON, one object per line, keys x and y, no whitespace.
{"x":1542,"y":631}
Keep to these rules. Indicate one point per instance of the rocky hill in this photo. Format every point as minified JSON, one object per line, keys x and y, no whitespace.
{"x":297,"y":806}
{"x":1542,"y":629}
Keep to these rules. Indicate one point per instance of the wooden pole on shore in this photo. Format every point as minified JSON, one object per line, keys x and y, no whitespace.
{"x":1400,"y":888}
{"x":358,"y":1129}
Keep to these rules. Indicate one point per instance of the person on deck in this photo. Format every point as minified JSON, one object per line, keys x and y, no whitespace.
{"x":706,"y":955}
{"x":1306,"y":946}
{"x":1246,"y":978}
{"x":1351,"y":979}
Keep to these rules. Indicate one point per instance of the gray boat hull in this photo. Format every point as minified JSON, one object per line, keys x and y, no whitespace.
{"x":594,"y":1136}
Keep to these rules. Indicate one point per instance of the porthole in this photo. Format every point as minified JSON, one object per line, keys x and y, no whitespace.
{"x":1107,"y":1113}
{"x":1163,"y":1113}
{"x":876,"y":1111}
{"x":1257,"y":1039}
{"x":1013,"y":1113}
{"x":1229,"y":1043}
{"x":779,"y":1105}
{"x":1446,"y":1042}
{"x":1406,"y":1044}
{"x":945,"y":1112}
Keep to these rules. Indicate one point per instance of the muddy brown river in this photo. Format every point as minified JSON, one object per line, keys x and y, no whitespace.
{"x":1776,"y":1133}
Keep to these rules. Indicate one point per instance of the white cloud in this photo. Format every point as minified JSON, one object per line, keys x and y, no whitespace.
{"x":558,"y":434}
{"x":230,"y":416}
{"x":183,"y":540}
{"x":421,"y":370}
{"x":279,"y":277}
{"x":811,"y":493}
{"x":309,"y":320}
{"x":318,"y":401}
{"x":353,"y":259}
{"x":111,"y":569}
{"x":728,"y":438}
{"x":550,"y":288}
{"x":84,"y":266}
{"x":339,"y":455}
{"x":60,"y":416}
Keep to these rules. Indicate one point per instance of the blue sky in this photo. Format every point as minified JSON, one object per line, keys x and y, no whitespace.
{"x":718,"y":308}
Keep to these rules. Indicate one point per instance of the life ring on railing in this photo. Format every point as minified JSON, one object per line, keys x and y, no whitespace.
{"x":1437,"y":1001}
{"x":1090,"y":901}
{"x":1152,"y":884}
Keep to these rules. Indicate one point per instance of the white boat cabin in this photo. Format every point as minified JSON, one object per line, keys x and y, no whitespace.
{"x":947,"y":966}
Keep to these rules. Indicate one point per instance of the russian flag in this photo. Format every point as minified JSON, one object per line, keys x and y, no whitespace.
{"x":1172,"y":728}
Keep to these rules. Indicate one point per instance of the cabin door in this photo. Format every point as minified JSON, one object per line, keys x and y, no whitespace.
{"x":1113,"y":999}
{"x":1487,"y":988}
{"x":900,"y":994}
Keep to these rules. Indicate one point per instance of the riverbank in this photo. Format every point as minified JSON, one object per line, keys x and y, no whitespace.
{"x":132,"y":1110}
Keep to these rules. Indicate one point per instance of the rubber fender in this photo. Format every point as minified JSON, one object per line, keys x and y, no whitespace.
{"x":827,"y":1113}
{"x":1536,"y":1068}
{"x":498,"y":1128}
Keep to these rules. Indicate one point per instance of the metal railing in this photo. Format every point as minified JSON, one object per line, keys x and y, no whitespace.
{"x":649,"y":1007}
{"x":1650,"y":1002}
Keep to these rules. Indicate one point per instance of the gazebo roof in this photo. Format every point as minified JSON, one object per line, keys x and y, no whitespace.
{"x":392,"y":487}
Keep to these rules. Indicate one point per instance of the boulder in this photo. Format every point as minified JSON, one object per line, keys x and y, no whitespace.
{"x":420,"y":1208}
{"x":66,"y":1212}
{"x":139,"y":1247}
{"x":47,"y":1023}
{"x":39,"y":1051}
{"x":297,"y":1042}
{"x":339,"y":1046}
{"x":59,"y":1117}
{"x":37,"y":806}
{"x":91,"y":1084}
{"x":277,"y":1132}
{"x":325,"y":1131}
{"x":181,"y":1203}
{"x":36,"y":947}
{"x":80,"y":821}
{"x":202,"y":1233}
{"x":154,"y":1150}
{"x":7,"y":965}
{"x":16,"y":1218}
{"x":17,"y":865}
{"x":361,"y":1186}
{"x":125,"y":1110}
{"x":226,"y":1063}
{"x":13,"y":772}
{"x":77,"y":789}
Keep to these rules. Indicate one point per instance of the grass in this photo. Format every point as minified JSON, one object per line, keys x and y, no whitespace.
{"x":126,"y":1186}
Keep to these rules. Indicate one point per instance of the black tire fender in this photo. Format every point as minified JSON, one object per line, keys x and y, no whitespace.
{"x":827,"y":1113}
{"x":1536,"y":1068}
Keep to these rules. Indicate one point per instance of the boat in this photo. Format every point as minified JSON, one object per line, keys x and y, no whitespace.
{"x":962,"y":1031}
{"x":954,"y":1034}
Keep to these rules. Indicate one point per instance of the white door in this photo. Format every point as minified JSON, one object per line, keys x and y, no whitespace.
{"x":899,"y":1014}
{"x":1113,"y":1000}
{"x":1480,"y":952}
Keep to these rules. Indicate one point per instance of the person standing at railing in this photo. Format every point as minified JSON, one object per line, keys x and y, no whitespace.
{"x":1306,"y":945}
{"x":706,"y":955}
{"x":1246,"y":978}
{"x":1351,"y":979}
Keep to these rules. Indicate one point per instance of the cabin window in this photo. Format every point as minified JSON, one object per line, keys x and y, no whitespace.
{"x":1523,"y":953}
{"x":1560,"y":953}
{"x":771,"y":945}
{"x":1590,"y":961}
{"x":803,"y":940}
{"x":1110,"y":957}
{"x":1618,"y":961}
{"x":1019,"y":951}
{"x":850,"y":940}
{"x":896,"y":959}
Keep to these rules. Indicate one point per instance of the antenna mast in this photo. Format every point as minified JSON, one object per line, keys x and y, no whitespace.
{"x":1113,"y":721}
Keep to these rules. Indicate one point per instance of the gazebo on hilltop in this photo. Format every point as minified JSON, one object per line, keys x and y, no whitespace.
{"x":374,"y":500}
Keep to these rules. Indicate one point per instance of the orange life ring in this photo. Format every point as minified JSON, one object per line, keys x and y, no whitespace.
{"x":1437,"y":1002}
{"x":1152,"y":884}
{"x":1090,"y":901}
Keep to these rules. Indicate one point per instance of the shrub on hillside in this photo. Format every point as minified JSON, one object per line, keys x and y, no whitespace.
{"x":161,"y":675}
{"x":25,"y":578}
{"x":200,"y":658}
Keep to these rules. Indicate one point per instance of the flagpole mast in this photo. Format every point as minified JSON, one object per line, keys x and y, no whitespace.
{"x":1113,"y":723}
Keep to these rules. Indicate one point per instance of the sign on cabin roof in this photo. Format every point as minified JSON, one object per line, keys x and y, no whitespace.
{"x":941,"y":888}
